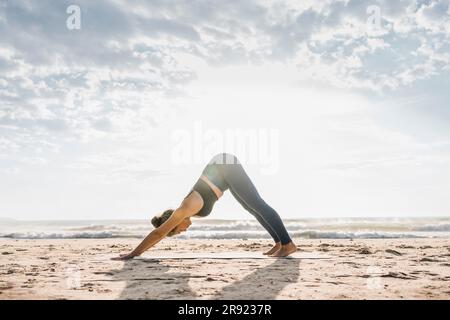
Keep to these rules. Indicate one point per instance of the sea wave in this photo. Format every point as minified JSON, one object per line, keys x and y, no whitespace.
{"x":75,"y":235}
{"x":442,"y":227}
{"x":336,"y":228}
{"x":310,"y":234}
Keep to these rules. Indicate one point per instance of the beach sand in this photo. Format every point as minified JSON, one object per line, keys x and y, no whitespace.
{"x":357,"y":269}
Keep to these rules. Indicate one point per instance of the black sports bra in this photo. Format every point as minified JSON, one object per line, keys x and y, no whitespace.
{"x":208,"y":195}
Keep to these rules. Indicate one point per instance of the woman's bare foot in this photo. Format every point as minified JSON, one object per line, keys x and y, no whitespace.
{"x":274,"y":249}
{"x":285,"y":250}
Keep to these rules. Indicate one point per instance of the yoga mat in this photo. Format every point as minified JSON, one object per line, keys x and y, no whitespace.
{"x":228,"y":255}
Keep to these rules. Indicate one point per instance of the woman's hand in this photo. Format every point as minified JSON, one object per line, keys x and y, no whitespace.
{"x":124,"y":257}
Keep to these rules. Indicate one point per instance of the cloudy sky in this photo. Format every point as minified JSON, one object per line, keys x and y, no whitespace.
{"x":340,"y":108}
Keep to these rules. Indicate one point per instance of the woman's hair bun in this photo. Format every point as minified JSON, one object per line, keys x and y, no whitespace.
{"x":156,"y":221}
{"x":159,"y":220}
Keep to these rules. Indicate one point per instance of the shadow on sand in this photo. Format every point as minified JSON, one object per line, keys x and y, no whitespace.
{"x":150,"y":279}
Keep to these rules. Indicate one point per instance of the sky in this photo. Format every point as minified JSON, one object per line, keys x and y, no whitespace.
{"x":111,"y":109}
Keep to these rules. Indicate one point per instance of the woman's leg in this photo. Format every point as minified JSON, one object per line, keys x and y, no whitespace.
{"x":258,"y":217}
{"x":245,"y":192}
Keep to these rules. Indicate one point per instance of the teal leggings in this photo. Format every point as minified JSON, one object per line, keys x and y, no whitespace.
{"x":225,"y":171}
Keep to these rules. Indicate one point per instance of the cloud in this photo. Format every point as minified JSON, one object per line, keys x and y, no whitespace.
{"x":122,"y":73}
{"x":400,"y":162}
{"x":118,"y":166}
{"x":97,"y":105}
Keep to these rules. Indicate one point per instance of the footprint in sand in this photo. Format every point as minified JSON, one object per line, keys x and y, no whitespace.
{"x":365,"y":251}
{"x":394,"y":252}
{"x":6,"y":286}
{"x":399,"y":275}
{"x":429,"y":260}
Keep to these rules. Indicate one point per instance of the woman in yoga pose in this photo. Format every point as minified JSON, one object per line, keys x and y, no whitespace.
{"x":223,"y":172}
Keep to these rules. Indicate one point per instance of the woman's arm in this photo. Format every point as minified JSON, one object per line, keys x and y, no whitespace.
{"x":159,"y":233}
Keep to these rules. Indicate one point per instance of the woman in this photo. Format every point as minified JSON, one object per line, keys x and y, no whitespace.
{"x":223,"y":172}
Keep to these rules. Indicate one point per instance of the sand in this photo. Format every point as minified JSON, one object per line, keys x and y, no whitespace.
{"x":357,"y":269}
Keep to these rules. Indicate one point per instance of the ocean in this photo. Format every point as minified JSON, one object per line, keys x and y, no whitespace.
{"x":320,"y":228}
